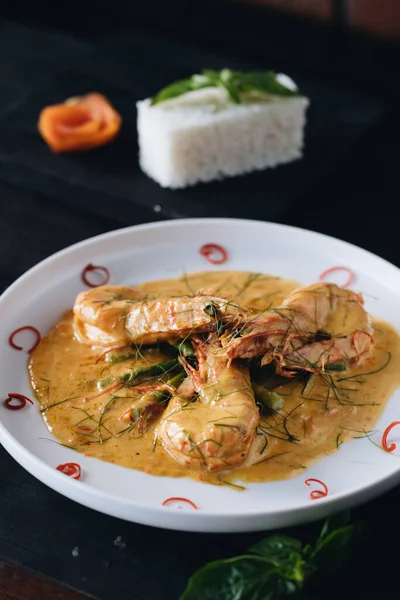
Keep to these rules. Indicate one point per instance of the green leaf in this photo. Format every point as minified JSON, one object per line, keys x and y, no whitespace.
{"x":178,"y":88}
{"x":277,"y":568}
{"x":265,"y":82}
{"x":241,"y":578}
{"x":228,"y":81}
{"x":332,"y":549}
{"x":287,"y":555}
{"x":276,"y":546}
{"x":332,"y":523}
{"x":232,"y":91}
{"x":234,"y":83}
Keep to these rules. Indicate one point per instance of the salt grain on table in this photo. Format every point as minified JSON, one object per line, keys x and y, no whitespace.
{"x":118,"y":542}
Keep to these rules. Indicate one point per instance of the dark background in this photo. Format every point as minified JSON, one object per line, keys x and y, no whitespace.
{"x":346,"y":186}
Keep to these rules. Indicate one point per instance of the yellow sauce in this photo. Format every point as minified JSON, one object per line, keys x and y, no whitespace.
{"x":316,"y":418}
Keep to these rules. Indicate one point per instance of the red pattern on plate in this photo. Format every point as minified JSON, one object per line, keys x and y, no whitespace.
{"x":20,"y":398}
{"x":214,"y":253}
{"x":384,"y":437}
{"x":177,"y":499}
{"x":333,"y":269}
{"x":71,"y":469}
{"x":89,"y":268}
{"x":27,"y":328}
{"x":315,"y":494}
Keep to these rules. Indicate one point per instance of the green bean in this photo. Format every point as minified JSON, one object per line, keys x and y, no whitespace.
{"x":152,"y":370}
{"x":176,"y":380}
{"x":120,"y":355}
{"x":103,"y":383}
{"x":339,"y":366}
{"x":185,"y":348}
{"x":267,"y":398}
{"x":173,"y":382}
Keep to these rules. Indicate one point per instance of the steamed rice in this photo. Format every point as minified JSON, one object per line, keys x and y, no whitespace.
{"x":201,"y":136}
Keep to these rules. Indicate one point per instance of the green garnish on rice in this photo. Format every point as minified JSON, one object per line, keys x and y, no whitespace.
{"x":236,"y":84}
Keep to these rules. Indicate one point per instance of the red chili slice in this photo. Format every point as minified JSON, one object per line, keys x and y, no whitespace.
{"x":103,"y":392}
{"x":317,"y":493}
{"x":214,"y":253}
{"x":89,"y":268}
{"x":71,"y":469}
{"x":28,"y":328}
{"x":174,"y":499}
{"x":333,"y":269}
{"x":385,"y":435}
{"x":20,"y":398}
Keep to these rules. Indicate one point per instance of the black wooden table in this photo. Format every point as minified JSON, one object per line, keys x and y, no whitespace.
{"x":345,"y":186}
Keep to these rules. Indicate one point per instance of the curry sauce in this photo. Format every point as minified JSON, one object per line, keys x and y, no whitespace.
{"x":83,"y":397}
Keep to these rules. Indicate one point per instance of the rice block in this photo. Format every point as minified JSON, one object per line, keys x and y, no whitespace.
{"x":202,"y":136}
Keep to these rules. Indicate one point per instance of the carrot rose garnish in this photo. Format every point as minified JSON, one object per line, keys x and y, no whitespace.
{"x":79,"y":123}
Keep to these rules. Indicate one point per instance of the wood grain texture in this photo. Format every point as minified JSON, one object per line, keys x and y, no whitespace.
{"x":17,"y":583}
{"x":317,"y":9}
{"x":380,"y":18}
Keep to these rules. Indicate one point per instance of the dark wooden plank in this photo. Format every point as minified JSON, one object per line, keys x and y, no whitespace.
{"x":129,"y":67}
{"x":17,"y":583}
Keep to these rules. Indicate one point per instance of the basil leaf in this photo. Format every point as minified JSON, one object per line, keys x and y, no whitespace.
{"x":232,"y":91}
{"x":172,"y":91}
{"x":332,"y":550}
{"x":225,"y":81}
{"x":234,"y":83}
{"x":181,"y":87}
{"x":240,"y":578}
{"x":265,"y":82}
{"x":228,"y":80}
{"x":287,"y":555}
{"x":278,"y":567}
{"x":276,"y":546}
{"x":200,"y":81}
{"x":335,"y":522}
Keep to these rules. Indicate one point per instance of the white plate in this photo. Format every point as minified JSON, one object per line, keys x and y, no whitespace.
{"x":358,"y":472}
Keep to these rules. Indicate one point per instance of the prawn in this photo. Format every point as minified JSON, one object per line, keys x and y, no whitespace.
{"x":99,"y":314}
{"x":178,"y":317}
{"x":216,"y":427}
{"x":147,"y":405}
{"x":315,"y":326}
{"x":117,"y":315}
